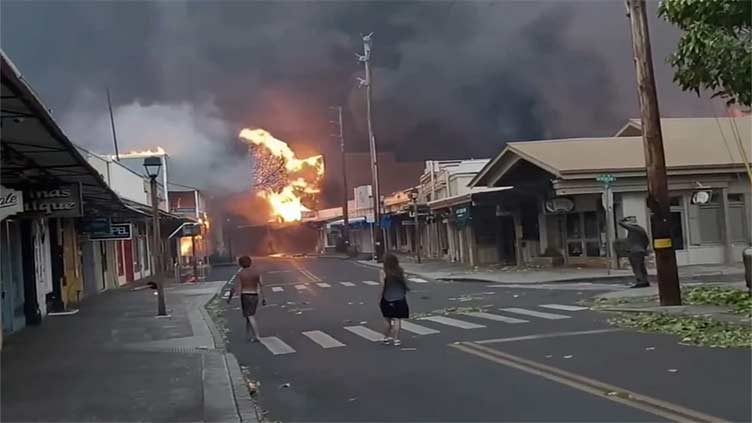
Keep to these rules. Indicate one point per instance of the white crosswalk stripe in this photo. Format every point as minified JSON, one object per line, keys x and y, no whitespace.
{"x":452,"y":322}
{"x":323,"y":339}
{"x":300,"y":287}
{"x":277,"y":289}
{"x":347,"y":283}
{"x":417,"y":280}
{"x":371,"y":283}
{"x":276,"y":346}
{"x":324,"y":285}
{"x":496,"y":317}
{"x":526,"y":312}
{"x":563,"y":307}
{"x":417,"y":329}
{"x":366,"y":333}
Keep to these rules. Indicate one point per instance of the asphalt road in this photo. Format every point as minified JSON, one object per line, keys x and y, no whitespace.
{"x":533,"y":354}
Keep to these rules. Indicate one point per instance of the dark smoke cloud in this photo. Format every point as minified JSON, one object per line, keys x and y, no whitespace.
{"x":451,"y":79}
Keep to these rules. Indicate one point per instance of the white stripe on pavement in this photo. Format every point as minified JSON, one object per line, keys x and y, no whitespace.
{"x":563,"y":307}
{"x":417,"y":280}
{"x":324,"y":285}
{"x":347,"y":283}
{"x":277,"y":289}
{"x":300,"y":287}
{"x":496,"y":317}
{"x":526,"y":312}
{"x":366,"y":333}
{"x":371,"y":283}
{"x":276,"y":345}
{"x":323,"y":339}
{"x":417,"y":329}
{"x":453,"y":322}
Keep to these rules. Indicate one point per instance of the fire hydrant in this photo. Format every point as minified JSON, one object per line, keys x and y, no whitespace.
{"x":747,"y":258}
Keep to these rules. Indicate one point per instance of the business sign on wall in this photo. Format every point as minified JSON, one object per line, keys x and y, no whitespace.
{"x":61,"y":201}
{"x":11,"y":202}
{"x":117,"y":231}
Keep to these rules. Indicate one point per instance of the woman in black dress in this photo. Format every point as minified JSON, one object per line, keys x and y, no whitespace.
{"x":393,"y":301}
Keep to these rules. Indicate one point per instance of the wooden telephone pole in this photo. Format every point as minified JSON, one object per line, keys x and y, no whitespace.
{"x":655,"y":161}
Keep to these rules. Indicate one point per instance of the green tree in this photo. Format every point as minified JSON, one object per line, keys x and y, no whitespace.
{"x":715,"y":51}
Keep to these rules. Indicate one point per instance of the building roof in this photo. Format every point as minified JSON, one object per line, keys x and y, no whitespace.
{"x":35,"y":149}
{"x":689,"y":144}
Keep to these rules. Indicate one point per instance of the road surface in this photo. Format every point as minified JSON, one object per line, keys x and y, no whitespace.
{"x":471,"y":352}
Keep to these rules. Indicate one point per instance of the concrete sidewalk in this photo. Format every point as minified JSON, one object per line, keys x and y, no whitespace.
{"x":441,"y":270}
{"x":116,"y":361}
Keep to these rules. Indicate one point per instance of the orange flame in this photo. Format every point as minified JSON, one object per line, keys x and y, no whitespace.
{"x":287,"y":203}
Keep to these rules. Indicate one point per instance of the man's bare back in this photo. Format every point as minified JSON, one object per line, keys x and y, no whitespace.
{"x":249,"y":281}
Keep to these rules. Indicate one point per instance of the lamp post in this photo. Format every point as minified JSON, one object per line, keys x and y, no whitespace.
{"x":414,"y":198}
{"x":152,"y":166}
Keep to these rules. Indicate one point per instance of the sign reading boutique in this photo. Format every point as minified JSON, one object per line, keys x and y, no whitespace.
{"x":60,"y":201}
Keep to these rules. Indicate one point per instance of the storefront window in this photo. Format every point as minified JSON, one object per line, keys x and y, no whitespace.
{"x":737,"y":219}
{"x":573,"y":226}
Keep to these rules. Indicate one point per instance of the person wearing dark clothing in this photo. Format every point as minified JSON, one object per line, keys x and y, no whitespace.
{"x":638,"y":242}
{"x":393,"y":301}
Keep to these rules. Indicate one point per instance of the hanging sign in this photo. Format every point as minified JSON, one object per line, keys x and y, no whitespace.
{"x":11,"y":202}
{"x":61,"y":201}
{"x":120,"y":231}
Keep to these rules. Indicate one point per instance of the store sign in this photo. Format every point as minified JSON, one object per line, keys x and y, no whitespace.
{"x":99,"y":225}
{"x":11,"y":202}
{"x":559,"y":205}
{"x":62,"y":201}
{"x":461,"y":216}
{"x":121,"y":231}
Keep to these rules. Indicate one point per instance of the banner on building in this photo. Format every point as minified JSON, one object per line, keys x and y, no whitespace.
{"x":11,"y":202}
{"x":118,"y":231}
{"x":60,"y":201}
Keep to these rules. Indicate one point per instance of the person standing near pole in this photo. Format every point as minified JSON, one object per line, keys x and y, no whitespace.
{"x":393,"y":301}
{"x":638,"y":241}
{"x":248,"y":283}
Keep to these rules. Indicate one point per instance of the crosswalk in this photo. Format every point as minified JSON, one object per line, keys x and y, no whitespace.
{"x":325,"y":285}
{"x":339,"y":338}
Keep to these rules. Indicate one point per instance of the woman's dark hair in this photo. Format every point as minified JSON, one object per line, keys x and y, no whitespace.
{"x":393,"y":270}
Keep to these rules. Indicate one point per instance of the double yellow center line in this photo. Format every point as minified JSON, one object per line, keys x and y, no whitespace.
{"x":305,"y":272}
{"x":654,"y":406}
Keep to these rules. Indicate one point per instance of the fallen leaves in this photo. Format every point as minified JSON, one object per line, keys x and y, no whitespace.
{"x":692,"y":330}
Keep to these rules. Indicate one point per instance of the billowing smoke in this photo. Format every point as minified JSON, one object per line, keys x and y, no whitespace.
{"x":194,"y":135}
{"x":451,"y":79}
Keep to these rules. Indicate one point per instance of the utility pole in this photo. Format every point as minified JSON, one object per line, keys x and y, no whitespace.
{"x":345,"y":194}
{"x":112,"y":124}
{"x":375,"y":192}
{"x":655,"y":161}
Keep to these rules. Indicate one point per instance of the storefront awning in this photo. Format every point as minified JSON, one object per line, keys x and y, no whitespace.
{"x":467,"y":198}
{"x":36,"y":152}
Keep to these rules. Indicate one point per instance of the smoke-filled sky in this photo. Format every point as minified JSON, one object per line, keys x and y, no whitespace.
{"x":452,"y":79}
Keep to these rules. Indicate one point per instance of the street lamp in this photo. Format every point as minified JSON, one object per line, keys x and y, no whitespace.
{"x":152,"y":166}
{"x":414,"y":198}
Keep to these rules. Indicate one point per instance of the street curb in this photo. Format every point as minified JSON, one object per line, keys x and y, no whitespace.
{"x":244,"y":404}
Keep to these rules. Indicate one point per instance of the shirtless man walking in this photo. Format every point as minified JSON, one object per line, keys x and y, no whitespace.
{"x":248,"y":283}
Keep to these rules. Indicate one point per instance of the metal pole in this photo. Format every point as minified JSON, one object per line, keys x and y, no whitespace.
{"x":655,"y":161}
{"x":417,"y":231}
{"x":112,"y":124}
{"x":157,"y":253}
{"x":375,"y":191}
{"x":195,"y":263}
{"x":345,"y":193}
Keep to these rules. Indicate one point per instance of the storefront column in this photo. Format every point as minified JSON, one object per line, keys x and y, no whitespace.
{"x":517,"y":238}
{"x":728,"y":249}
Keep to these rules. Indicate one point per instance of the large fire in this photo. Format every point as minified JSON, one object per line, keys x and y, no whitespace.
{"x":282,"y":179}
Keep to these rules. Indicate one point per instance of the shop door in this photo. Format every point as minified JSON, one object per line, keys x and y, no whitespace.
{"x":128,"y":259}
{"x":89,"y":269}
